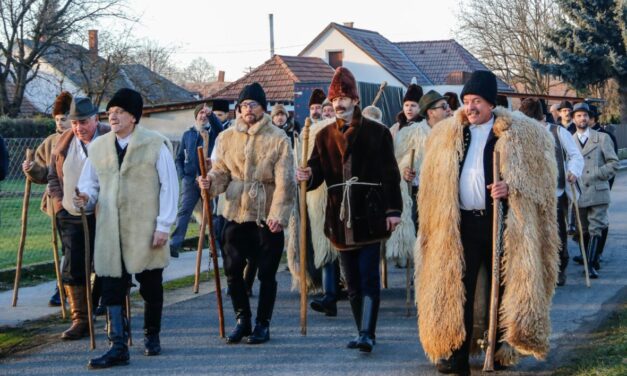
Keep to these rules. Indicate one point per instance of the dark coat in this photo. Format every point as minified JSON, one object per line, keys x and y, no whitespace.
{"x":365,"y":151}
{"x":186,"y":160}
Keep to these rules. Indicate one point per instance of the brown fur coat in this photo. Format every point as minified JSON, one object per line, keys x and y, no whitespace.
{"x":530,"y":259}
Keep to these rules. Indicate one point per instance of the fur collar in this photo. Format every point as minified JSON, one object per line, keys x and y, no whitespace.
{"x":241,"y":126}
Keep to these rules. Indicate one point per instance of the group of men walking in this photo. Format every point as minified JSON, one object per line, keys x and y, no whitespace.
{"x":424,"y":187}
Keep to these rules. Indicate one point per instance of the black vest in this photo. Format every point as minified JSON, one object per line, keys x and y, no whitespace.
{"x":559,"y":157}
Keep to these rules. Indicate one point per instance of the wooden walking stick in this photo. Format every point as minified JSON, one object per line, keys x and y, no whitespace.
{"x":55,"y":254}
{"x":384,"y":267}
{"x":303,"y":232}
{"x":582,"y":247}
{"x":201,"y":245}
{"x":497,"y":241}
{"x":408,"y":269}
{"x":20,"y":249}
{"x":378,"y":96}
{"x":212,"y":239}
{"x":90,"y":304}
{"x":127,"y":303}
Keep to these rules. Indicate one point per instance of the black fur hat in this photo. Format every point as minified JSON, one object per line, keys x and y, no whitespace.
{"x":129,"y":100}
{"x":317,"y":97}
{"x":220,"y":105}
{"x":253,"y":92}
{"x":414,"y":93}
{"x":483,"y":84}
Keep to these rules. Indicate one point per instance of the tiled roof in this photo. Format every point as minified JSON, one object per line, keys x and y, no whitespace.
{"x":155,"y":88}
{"x":278,"y":75}
{"x":439,"y":59}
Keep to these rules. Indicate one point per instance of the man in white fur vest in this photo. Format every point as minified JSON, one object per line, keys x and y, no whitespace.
{"x":354,"y":156}
{"x":131,"y":179}
{"x":455,"y":234}
{"x":254,"y":166}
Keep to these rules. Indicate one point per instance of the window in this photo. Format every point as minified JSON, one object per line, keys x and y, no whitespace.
{"x":336,"y":58}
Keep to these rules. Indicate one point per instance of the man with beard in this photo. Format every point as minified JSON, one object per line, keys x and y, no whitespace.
{"x":600,"y":165}
{"x":327,"y":110}
{"x":37,"y":171}
{"x":131,"y":177}
{"x":456,"y":230}
{"x":565,"y":116}
{"x":254,"y":165}
{"x":354,"y":156}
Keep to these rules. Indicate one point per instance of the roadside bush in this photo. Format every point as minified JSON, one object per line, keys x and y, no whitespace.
{"x":38,"y":127}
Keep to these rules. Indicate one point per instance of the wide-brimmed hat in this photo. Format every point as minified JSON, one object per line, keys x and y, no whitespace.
{"x":429,"y":100}
{"x":581,"y":107}
{"x":82,"y":108}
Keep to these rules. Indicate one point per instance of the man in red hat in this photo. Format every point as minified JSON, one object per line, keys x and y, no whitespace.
{"x":354,"y":156}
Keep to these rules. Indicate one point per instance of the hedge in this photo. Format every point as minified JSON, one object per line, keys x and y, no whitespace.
{"x":38,"y":127}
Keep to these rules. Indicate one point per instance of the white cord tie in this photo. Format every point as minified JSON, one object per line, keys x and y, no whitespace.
{"x":346,"y":202}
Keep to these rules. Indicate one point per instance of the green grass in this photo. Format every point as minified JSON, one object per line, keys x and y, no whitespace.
{"x":30,"y":335}
{"x":603,"y":352}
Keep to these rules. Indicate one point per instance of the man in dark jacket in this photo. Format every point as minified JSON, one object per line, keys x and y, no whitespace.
{"x":188,"y":168}
{"x":355,"y":158}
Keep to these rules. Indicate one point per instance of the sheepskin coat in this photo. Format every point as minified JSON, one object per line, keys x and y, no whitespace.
{"x":38,"y":174}
{"x":362,"y":154}
{"x":530,"y":260}
{"x":128,"y":204}
{"x":400,"y":245}
{"x":254,"y":166}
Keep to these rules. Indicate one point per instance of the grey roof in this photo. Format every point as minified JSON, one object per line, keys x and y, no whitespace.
{"x":388,"y":55}
{"x":154,"y":87}
{"x":438,"y":59}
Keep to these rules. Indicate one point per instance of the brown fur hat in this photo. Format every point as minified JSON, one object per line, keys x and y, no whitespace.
{"x":343,"y":84}
{"x":62,"y":104}
{"x":317,"y":97}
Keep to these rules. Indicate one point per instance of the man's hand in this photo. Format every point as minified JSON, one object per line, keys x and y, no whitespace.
{"x":274,"y":225}
{"x":499,"y":190}
{"x":80,"y":201}
{"x":408,"y":174}
{"x":392,"y":222}
{"x":303,"y":174}
{"x":204,"y":183}
{"x":27,"y":165}
{"x":159,"y":239}
{"x":572,"y":179}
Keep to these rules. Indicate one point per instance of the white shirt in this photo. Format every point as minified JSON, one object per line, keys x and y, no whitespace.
{"x":472,"y":180}
{"x":168,"y":193}
{"x":583,"y":136}
{"x":574,"y":159}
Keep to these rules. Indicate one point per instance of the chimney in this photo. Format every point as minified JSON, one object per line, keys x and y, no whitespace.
{"x":221,"y":76}
{"x":93,"y":43}
{"x":349,"y":24}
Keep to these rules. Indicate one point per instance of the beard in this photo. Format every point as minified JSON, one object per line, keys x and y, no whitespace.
{"x":316,"y":116}
{"x":251,"y":118}
{"x":344,"y":113}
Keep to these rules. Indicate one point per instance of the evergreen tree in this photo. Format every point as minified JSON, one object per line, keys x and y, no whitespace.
{"x":589,"y":46}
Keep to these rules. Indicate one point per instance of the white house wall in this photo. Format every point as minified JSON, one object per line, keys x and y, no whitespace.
{"x":363,"y":67}
{"x":171,"y":124}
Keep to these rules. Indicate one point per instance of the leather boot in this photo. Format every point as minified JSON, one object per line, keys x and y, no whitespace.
{"x":241,"y":305}
{"x":370,"y":312}
{"x":118,"y":350}
{"x":261,"y":333}
{"x":152,"y":327}
{"x":356,"y":309}
{"x":78,"y":308}
{"x":328,"y":303}
{"x":242,"y":329}
{"x":600,"y":248}
{"x":592,"y":256}
{"x":55,"y":299}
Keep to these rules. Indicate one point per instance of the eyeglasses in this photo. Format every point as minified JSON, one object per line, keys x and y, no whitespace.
{"x":251,"y":105}
{"x":444,"y":107}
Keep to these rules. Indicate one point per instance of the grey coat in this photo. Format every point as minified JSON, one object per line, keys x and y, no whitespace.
{"x":600,"y":165}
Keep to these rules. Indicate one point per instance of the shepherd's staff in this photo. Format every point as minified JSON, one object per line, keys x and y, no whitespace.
{"x":127,"y":302}
{"x":381,"y":88}
{"x":582,"y":247}
{"x":201,"y":245}
{"x":303,"y":232}
{"x":90,"y":305}
{"x":207,"y":218}
{"x":384,"y":266}
{"x":55,"y":254}
{"x":497,"y":241}
{"x":408,"y":269}
{"x":20,"y":249}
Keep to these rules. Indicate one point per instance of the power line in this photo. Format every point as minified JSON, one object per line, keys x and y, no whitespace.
{"x":236,"y":51}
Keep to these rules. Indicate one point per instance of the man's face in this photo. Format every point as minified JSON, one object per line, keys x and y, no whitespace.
{"x":565,"y":114}
{"x":62,"y":122}
{"x":84,"y":129}
{"x":121,"y":121}
{"x":222,"y":116}
{"x":410,"y":109}
{"x":328,"y":112}
{"x":581,"y":119}
{"x":439,"y":111}
{"x":251,"y":111}
{"x":477,"y":109}
{"x":279,"y":119}
{"x":343,"y":105}
{"x":201,"y":117}
{"x":315,"y":111}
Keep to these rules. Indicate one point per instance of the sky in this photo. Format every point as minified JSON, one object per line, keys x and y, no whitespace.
{"x":234,"y":35}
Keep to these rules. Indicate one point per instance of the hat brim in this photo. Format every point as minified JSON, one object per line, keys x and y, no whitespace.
{"x":423,"y":112}
{"x":83,"y":116}
{"x":581,"y":110}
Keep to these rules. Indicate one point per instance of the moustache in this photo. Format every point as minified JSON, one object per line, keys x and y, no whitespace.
{"x":339,"y":108}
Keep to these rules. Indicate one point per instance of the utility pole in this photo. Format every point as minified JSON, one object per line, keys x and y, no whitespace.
{"x":271,"y":17}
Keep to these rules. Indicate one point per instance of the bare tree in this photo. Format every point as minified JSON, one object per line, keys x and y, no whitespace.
{"x":508,"y":35}
{"x":199,"y":71}
{"x":29,"y":28}
{"x":156,"y":57}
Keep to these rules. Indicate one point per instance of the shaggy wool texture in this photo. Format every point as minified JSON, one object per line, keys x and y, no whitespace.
{"x":530,"y":260}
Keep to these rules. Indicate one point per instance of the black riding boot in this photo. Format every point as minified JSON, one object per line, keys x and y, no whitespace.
{"x":356,"y":308}
{"x":241,"y":305}
{"x":600,"y":248}
{"x":267,"y":297}
{"x":592,"y":256}
{"x":152,"y":327}
{"x":328,"y":303}
{"x":118,"y":349}
{"x":370,"y":312}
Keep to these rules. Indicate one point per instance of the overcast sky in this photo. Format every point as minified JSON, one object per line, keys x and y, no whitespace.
{"x":233,"y":35}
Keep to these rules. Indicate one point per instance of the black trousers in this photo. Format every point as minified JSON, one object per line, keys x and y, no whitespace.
{"x":361,"y":271}
{"x":476,"y":236}
{"x":73,"y":245}
{"x":562,"y":212}
{"x":242,"y":241}
{"x":150,"y":287}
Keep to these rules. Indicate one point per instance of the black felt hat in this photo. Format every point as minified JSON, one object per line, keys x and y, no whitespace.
{"x":581,"y":107}
{"x":130,"y":100}
{"x":565,"y":104}
{"x":220,"y":105}
{"x":317,"y":97}
{"x":414,"y":93}
{"x":82,"y":108}
{"x":253,"y":92}
{"x":483,"y":84}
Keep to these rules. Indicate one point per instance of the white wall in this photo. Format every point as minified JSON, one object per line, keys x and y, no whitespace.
{"x":171,"y":124}
{"x":363,"y":67}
